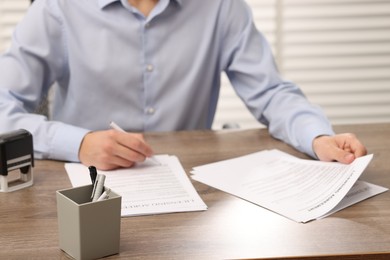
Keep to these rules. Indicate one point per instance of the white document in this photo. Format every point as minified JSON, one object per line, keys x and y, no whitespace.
{"x":146,"y":188}
{"x":301,"y":190}
{"x":361,"y":190}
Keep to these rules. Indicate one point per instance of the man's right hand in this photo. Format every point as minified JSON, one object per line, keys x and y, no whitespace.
{"x":111,"y":149}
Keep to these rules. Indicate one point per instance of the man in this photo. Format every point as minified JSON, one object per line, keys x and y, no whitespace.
{"x":149,"y":65}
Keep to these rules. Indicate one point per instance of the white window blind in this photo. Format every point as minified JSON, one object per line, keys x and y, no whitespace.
{"x":11,"y":12}
{"x":337,"y":51}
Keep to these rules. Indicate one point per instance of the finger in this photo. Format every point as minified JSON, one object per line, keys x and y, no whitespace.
{"x":350,"y":143}
{"x":107,"y":159}
{"x":118,"y":162}
{"x":128,"y":154}
{"x":343,"y":156}
{"x":132,"y":146}
{"x":115,"y":163}
{"x":139,"y":145}
{"x":333,"y":148}
{"x":358,"y":149}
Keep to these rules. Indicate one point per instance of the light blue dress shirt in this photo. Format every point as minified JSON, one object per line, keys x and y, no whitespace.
{"x":155,"y":73}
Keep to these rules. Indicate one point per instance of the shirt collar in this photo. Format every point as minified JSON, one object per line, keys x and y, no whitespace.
{"x":104,"y":3}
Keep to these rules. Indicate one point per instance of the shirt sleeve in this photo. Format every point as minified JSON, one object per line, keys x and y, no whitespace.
{"x":275,"y":102}
{"x":33,"y":63}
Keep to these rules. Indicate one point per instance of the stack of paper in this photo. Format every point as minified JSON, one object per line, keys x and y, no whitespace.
{"x":301,"y":190}
{"x":147,"y":188}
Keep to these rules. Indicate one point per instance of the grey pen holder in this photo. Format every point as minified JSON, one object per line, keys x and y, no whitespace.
{"x":88,"y":230}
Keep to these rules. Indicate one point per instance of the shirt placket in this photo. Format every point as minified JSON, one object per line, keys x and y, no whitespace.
{"x":149,"y":68}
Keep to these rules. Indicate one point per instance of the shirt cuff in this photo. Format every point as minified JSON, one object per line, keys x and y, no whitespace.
{"x":310,"y":132}
{"x":66,"y":143}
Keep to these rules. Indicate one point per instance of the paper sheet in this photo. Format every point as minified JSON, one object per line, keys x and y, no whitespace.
{"x":301,"y":190}
{"x":146,"y":188}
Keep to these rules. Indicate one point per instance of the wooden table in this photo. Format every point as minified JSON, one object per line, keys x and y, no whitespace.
{"x":230,"y":228}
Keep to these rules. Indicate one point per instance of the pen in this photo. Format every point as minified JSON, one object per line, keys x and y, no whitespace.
{"x":98,"y":187}
{"x":92,"y":173}
{"x":113,"y":125}
{"x":104,"y":195}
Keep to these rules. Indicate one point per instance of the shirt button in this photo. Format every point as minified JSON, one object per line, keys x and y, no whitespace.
{"x":150,"y":110}
{"x":149,"y":67}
